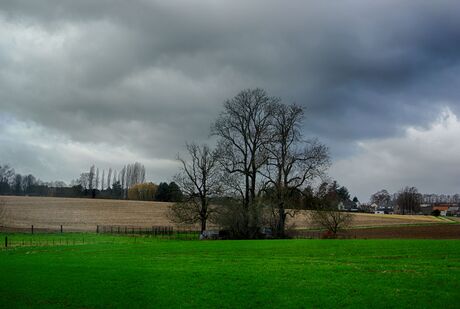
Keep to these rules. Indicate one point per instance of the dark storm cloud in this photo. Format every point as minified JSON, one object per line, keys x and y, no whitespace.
{"x":150,"y":75}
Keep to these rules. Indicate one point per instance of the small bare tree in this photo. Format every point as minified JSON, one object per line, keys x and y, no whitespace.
{"x":199,"y":180}
{"x":327,"y":215}
{"x":333,"y":220}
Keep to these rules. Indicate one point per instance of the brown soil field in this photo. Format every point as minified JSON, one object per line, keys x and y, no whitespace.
{"x":435,"y":231}
{"x":372,"y":220}
{"x":85,"y":214}
{"x":430,"y":231}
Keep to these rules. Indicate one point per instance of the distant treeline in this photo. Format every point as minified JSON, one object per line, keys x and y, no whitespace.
{"x":129,"y":183}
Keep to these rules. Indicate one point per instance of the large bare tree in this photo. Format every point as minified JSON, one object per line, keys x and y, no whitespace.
{"x":243,"y":129}
{"x":199,"y":180}
{"x":292,"y":162}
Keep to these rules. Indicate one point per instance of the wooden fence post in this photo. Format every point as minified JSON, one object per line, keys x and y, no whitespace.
{"x":97,"y":229}
{"x":61,"y":228}
{"x":32,"y":229}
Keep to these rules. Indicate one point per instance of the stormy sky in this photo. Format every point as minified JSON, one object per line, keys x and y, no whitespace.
{"x":113,"y":82}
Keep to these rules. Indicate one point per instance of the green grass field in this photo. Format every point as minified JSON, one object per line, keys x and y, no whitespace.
{"x":127,"y":272}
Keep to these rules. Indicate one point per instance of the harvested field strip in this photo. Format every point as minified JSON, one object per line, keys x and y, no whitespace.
{"x":76,"y":214}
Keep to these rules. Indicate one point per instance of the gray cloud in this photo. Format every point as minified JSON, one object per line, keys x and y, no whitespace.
{"x":423,"y":157}
{"x":149,"y":75}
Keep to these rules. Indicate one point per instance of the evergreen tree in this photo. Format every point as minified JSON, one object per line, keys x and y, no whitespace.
{"x":174,"y":193}
{"x":162,"y":193}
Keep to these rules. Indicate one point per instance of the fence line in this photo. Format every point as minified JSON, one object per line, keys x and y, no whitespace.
{"x":319,"y":234}
{"x":134,"y":233}
{"x":101,"y":229}
{"x":153,"y":231}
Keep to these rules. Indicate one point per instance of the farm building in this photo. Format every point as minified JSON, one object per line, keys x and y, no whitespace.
{"x":426,"y":209}
{"x":453,"y":211}
{"x":442,"y":208}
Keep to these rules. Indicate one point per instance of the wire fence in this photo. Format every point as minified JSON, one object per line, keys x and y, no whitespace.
{"x":168,"y":232}
{"x":319,"y":234}
{"x":34,"y":236}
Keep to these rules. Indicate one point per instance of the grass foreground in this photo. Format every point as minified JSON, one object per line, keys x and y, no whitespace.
{"x":122,"y":272}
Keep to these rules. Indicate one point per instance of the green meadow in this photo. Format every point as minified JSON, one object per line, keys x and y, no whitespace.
{"x":98,"y":271}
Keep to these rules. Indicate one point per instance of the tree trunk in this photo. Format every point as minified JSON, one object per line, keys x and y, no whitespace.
{"x":281,"y":222}
{"x":203,"y":225}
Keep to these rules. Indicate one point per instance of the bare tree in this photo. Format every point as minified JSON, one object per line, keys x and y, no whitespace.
{"x":135,"y":174}
{"x":333,"y":220}
{"x":292,"y":162}
{"x":29,"y":182}
{"x":18,"y":181}
{"x":327,"y":215}
{"x":6,"y":178}
{"x":91,"y":176}
{"x":83,"y":180}
{"x":109,"y":178}
{"x":131,"y":175}
{"x":244,"y":131}
{"x":97,"y":179}
{"x":103,"y":180}
{"x":199,"y":179}
{"x":114,"y":177}
{"x":409,"y":200}
{"x":381,"y":198}
{"x":123,"y":180}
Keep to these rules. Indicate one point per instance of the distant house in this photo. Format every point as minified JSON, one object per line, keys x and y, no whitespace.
{"x":426,"y":209}
{"x":443,"y":208}
{"x":347,"y":205}
{"x":453,"y":211}
{"x":374,"y":207}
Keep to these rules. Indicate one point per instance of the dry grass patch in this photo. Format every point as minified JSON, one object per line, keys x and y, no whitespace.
{"x":82,"y":214}
{"x":364,"y":220}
